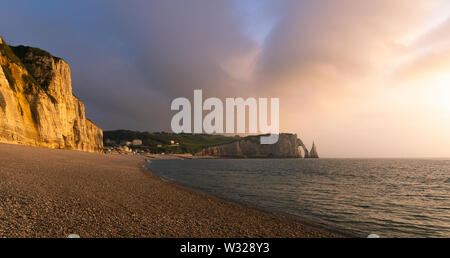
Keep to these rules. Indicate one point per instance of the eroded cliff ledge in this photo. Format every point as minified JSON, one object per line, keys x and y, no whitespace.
{"x":288,"y":146}
{"x":37,"y":106}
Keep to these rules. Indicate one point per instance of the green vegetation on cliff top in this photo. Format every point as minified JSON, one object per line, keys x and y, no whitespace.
{"x":16,"y":55}
{"x":21,"y":51}
{"x":188,"y":143}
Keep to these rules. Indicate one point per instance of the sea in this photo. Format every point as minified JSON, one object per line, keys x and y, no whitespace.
{"x":392,"y":198}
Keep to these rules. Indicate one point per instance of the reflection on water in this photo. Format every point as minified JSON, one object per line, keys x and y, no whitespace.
{"x":391,"y":198}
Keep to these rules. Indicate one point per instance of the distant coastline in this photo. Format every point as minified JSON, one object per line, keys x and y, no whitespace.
{"x":206,"y":145}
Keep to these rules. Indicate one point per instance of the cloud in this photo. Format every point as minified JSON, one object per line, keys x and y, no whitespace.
{"x":428,"y":55}
{"x":438,"y":36}
{"x":425,"y":65}
{"x":325,"y":38}
{"x":181,"y":45}
{"x":130,"y":59}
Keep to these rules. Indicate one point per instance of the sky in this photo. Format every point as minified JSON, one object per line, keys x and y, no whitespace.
{"x":360,"y":78}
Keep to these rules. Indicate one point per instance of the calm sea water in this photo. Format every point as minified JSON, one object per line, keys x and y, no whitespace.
{"x":388,"y":197}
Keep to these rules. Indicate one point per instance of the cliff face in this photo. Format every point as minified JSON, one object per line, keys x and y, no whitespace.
{"x":37,"y":106}
{"x":288,"y":146}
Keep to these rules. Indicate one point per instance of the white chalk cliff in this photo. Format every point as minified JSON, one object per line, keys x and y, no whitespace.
{"x":288,"y":146}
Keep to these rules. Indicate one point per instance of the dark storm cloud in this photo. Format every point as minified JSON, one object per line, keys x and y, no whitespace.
{"x":180,"y":44}
{"x":129,"y":59}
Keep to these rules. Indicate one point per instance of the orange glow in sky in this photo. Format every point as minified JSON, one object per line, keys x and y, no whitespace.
{"x":368,"y":83}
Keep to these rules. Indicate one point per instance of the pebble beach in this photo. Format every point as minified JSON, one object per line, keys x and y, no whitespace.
{"x":55,"y":193}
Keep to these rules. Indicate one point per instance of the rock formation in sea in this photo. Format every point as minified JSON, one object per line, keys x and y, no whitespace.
{"x":37,"y":106}
{"x":288,"y":146}
{"x":313,"y":153}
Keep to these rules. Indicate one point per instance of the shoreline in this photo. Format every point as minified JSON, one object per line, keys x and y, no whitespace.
{"x":303,"y":220}
{"x":54,"y":193}
{"x":336,"y":233}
